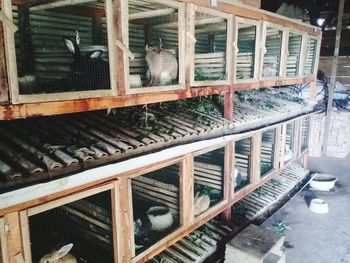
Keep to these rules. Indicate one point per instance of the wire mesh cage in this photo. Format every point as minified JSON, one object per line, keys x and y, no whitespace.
{"x":289,"y":147}
{"x":62,"y":50}
{"x":211,"y":33}
{"x":242,"y":163}
{"x":82,"y":228}
{"x":208,"y":180}
{"x":310,"y":56}
{"x":304,"y":133}
{"x":293,"y":56}
{"x":156,"y":40}
{"x":248,"y":35}
{"x":267,"y":152}
{"x":272,"y":55}
{"x":156,"y":206}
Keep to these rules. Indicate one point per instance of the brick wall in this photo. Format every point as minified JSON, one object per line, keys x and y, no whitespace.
{"x":339,"y":135}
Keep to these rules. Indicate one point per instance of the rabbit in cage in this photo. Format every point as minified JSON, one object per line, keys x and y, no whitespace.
{"x":201,"y":203}
{"x":237,"y":178}
{"x":61,"y":255}
{"x":162,"y":66}
{"x":89,"y":71}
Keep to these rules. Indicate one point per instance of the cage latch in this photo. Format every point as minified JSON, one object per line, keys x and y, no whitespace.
{"x":8,"y":22}
{"x":125,"y":49}
{"x":191,"y":37}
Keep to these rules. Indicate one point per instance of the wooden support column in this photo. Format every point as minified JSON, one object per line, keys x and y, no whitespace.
{"x":126,"y":218}
{"x":116,"y":222}
{"x":4,"y":88}
{"x":255,"y":158}
{"x":10,"y":234}
{"x":333,"y":77}
{"x":228,"y":180}
{"x":186,"y":190}
{"x":228,"y":104}
{"x":120,"y":30}
{"x":282,"y":138}
{"x":297,"y":137}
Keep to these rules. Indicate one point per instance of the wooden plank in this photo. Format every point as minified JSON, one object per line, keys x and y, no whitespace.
{"x":126,"y":220}
{"x":4,"y":88}
{"x":120,"y":30}
{"x":51,"y":205}
{"x":116,"y":222}
{"x":186,"y":191}
{"x":10,"y":52}
{"x":152,"y":13}
{"x":4,"y":248}
{"x":255,"y":158}
{"x":228,"y":179}
{"x":13,"y":236}
{"x":242,"y":10}
{"x":27,"y":251}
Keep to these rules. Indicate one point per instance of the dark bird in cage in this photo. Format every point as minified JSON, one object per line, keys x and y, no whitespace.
{"x":87,"y":72}
{"x":162,"y":66}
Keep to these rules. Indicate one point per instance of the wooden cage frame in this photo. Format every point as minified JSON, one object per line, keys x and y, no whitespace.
{"x":299,"y":72}
{"x":191,"y":14}
{"x":13,"y":216}
{"x":282,"y":64}
{"x":10,"y":51}
{"x":181,"y":7}
{"x":257,"y":24}
{"x":317,"y":54}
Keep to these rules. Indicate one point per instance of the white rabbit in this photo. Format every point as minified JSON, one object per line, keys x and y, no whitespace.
{"x":60,"y":256}
{"x":162,"y":66}
{"x":201,"y":203}
{"x":270,"y":70}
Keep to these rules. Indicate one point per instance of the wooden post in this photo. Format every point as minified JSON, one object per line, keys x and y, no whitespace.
{"x":10,"y":234}
{"x":186,"y":191}
{"x":4,"y":88}
{"x":127,"y":234}
{"x":120,"y":29}
{"x":116,"y":221}
{"x":228,"y":181}
{"x":255,"y":158}
{"x":281,"y":149}
{"x":228,"y":104}
{"x":333,"y":76}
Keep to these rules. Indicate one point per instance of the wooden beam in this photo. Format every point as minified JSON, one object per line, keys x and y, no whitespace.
{"x":4,"y":88}
{"x":228,"y":180}
{"x":152,"y":13}
{"x":19,"y":111}
{"x":58,"y":4}
{"x":241,"y":10}
{"x":333,"y":78}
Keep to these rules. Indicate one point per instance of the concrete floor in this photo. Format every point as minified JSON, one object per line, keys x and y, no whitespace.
{"x":319,"y":238}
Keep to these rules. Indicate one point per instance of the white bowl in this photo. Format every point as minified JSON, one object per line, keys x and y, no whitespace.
{"x":323,"y":182}
{"x":160,"y":217}
{"x":319,"y":206}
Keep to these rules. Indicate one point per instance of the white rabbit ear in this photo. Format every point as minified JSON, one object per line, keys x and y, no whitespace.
{"x":70,"y":45}
{"x":96,"y":54}
{"x":63,"y":251}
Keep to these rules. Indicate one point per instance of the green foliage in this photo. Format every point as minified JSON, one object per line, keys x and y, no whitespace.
{"x":261,"y":192}
{"x":199,"y":75}
{"x":215,"y":195}
{"x":280,"y":227}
